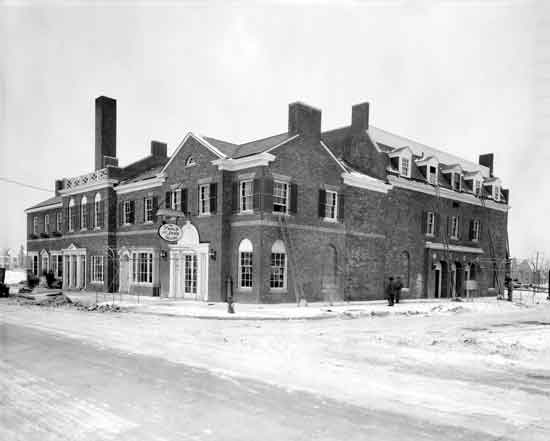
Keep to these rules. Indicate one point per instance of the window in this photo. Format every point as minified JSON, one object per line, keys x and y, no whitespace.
{"x":57,"y":265}
{"x":280,"y":197}
{"x":204,"y":199}
{"x":148,"y":209}
{"x":405,"y":167}
{"x":432,"y":175}
{"x":190,"y":274}
{"x":72,"y":215}
{"x":245,"y":264}
{"x":35,"y":225}
{"x":34,"y":264}
{"x":98,"y":211}
{"x":454,"y":227}
{"x":456,"y":181}
{"x":430,"y":223}
{"x":128,"y":215}
{"x":45,"y":263}
{"x":97,"y":269}
{"x":190,"y":161}
{"x":175,"y":200}
{"x":59,"y":221}
{"x":47,"y":223}
{"x":496,"y":193}
{"x":331,"y":201}
{"x":142,"y":267}
{"x":245,"y":196}
{"x":277,"y":279}
{"x":84,"y":213}
{"x":475,"y":230}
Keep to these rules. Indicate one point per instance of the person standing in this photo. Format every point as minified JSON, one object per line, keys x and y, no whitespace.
{"x":398,"y":285}
{"x":390,"y":291}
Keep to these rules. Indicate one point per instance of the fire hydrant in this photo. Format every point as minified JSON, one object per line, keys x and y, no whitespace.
{"x":229,"y":295}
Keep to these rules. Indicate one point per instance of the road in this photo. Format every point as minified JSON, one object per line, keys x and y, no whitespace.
{"x":57,"y":388}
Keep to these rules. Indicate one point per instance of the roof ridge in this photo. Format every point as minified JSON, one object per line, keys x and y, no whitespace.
{"x":263,"y":139}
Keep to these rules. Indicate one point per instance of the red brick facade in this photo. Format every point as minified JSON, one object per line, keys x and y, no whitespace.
{"x":378,"y":225}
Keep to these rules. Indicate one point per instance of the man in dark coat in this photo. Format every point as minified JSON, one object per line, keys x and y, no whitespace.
{"x":389,"y":291}
{"x":397,"y":289}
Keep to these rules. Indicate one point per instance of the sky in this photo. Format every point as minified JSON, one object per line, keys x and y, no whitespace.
{"x":466,"y":77}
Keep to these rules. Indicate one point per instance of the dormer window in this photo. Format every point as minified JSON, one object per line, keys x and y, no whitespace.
{"x":405,"y":167}
{"x":432,"y":175}
{"x":496,"y":192}
{"x":456,"y":181}
{"x":400,"y":161}
{"x":429,"y":167}
{"x":455,"y":176}
{"x":472,"y":182}
{"x":493,"y":188}
{"x":477,"y":187}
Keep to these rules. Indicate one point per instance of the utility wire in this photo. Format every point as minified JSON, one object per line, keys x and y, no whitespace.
{"x":34,"y":187}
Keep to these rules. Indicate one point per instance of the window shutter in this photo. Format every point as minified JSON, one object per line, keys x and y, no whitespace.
{"x":471,"y":234}
{"x":256,"y":194}
{"x":293,"y":198}
{"x":132,"y":212}
{"x":184,"y":200}
{"x":322,"y":203}
{"x":341,"y":207}
{"x":77,"y":217}
{"x":437,"y":221}
{"x":480,"y":230}
{"x":155,"y":206}
{"x":90,"y":222}
{"x":213,"y":197}
{"x":424,"y":222}
{"x":198,"y":200}
{"x":449,"y":226}
{"x":101,"y":214}
{"x":268,"y":195}
{"x":167,"y":200}
{"x":120,"y":213}
{"x":235,"y":196}
{"x":458,"y":226}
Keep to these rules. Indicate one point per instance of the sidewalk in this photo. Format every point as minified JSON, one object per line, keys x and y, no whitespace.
{"x":163,"y":306}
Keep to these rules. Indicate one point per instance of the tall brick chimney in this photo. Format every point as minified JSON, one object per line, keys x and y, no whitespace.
{"x":158,"y":149}
{"x":304,"y":120}
{"x":359,"y":117}
{"x":487,"y":161}
{"x":105,"y":132}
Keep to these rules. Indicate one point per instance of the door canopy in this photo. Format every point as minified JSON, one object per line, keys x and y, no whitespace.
{"x":189,"y":236}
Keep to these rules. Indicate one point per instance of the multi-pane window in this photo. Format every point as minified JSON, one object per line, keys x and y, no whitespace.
{"x":72,"y":215}
{"x":331,"y":200}
{"x":432,"y":175}
{"x":47,"y":223}
{"x":142,"y":267}
{"x":84,"y":213}
{"x":477,"y":187}
{"x":430,"y":223}
{"x":405,"y":166}
{"x":454,"y":227}
{"x":245,"y":264}
{"x":148,"y":209}
{"x":496,"y":193}
{"x":45,"y":263}
{"x":190,"y":274}
{"x":204,"y":199}
{"x":277,"y":277}
{"x":280,"y":197}
{"x":98,"y":212}
{"x":127,"y":212}
{"x":245,"y":195}
{"x":475,"y":230}
{"x":57,"y":265}
{"x":59,"y":221}
{"x":97,"y":269}
{"x":35,"y":225}
{"x":35,"y":264}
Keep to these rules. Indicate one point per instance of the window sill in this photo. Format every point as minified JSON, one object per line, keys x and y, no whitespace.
{"x":280,"y":213}
{"x":245,"y":289}
{"x":96,"y":282}
{"x":330,"y":220}
{"x":148,"y":222}
{"x":97,"y":228}
{"x":146,"y":284}
{"x":244,"y":212}
{"x":204,"y":214}
{"x":278,"y":290}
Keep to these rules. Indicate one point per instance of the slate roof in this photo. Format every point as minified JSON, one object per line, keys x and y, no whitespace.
{"x":50,"y":201}
{"x":227,"y":148}
{"x":144,"y":175}
{"x":260,"y":145}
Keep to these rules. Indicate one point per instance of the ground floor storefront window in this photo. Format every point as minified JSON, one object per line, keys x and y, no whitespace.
{"x":142,"y":267}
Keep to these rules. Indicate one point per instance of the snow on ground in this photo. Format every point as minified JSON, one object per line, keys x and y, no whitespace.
{"x":482,"y":364}
{"x":14,"y":277}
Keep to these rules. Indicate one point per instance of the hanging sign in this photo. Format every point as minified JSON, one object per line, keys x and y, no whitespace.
{"x":170,"y":232}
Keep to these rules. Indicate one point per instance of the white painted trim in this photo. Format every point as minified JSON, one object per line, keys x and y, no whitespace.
{"x":332,"y":155}
{"x":91,"y":187}
{"x":259,"y":160}
{"x":200,"y":140}
{"x":141,"y":185}
{"x":458,"y":248}
{"x":360,"y":180}
{"x":454,"y":168}
{"x":401,"y":151}
{"x":44,"y":207}
{"x":445,"y":193}
{"x":427,"y":161}
{"x":281,"y":143}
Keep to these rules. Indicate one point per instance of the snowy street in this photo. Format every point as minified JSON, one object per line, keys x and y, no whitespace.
{"x":481,"y":371}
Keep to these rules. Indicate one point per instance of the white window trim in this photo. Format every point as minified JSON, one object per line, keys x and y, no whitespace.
{"x":251,"y":209}
{"x":154,"y":263}
{"x":46,"y":223}
{"x":245,"y":247}
{"x":59,"y":221}
{"x":124,"y":220}
{"x":92,"y":276}
{"x":35,"y":225}
{"x":97,"y":210}
{"x":432,"y":233}
{"x":207,"y":197}
{"x":70,"y":213}
{"x":335,"y":218}
{"x":145,"y":221}
{"x":83,"y":208}
{"x":285,"y":278}
{"x":287,"y":199}
{"x":408,"y":173}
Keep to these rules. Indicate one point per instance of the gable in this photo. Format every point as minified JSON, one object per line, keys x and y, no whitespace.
{"x":191,"y":147}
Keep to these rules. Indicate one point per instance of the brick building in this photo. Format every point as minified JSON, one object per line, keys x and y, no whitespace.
{"x":327,"y":214}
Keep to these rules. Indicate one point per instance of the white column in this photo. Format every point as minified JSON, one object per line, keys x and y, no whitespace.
{"x":70,"y":278}
{"x":78,"y":271}
{"x":172,"y":292}
{"x":65,"y":271}
{"x":202,"y":276}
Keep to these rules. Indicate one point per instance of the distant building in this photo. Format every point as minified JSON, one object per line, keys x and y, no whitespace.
{"x":10,"y":259}
{"x":320,"y":213}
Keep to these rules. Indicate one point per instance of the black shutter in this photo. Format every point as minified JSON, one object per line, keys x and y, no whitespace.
{"x":293,"y":198}
{"x":155,"y":206}
{"x":256,"y":194}
{"x":101,"y":214}
{"x":449,"y":226}
{"x":424,"y":222}
{"x":235,"y":196}
{"x":437,"y":221}
{"x":268,"y":195}
{"x":322,"y":203}
{"x":471,"y":234}
{"x":132,"y":219}
{"x":459,"y":227}
{"x":198,"y":200}
{"x":167,"y":200}
{"x":121,"y":213}
{"x":341,"y":207}
{"x":213,"y":197}
{"x":91,"y":212}
{"x":77,"y":217}
{"x":184,"y":200}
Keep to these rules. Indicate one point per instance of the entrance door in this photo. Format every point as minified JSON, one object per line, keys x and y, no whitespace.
{"x":437,"y":278}
{"x":124,"y":285}
{"x":189,"y":276}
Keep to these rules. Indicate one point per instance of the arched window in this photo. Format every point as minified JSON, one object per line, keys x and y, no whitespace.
{"x":277,"y":279}
{"x":72,"y":215}
{"x":84,"y":213}
{"x":405,"y":268}
{"x":189,"y":161}
{"x":245,"y":264}
{"x":98,"y":211}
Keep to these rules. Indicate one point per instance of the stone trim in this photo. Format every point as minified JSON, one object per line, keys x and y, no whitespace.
{"x":44,"y":207}
{"x":458,"y":248}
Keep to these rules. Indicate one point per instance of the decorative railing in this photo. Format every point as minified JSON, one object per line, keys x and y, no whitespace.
{"x":87,"y":179}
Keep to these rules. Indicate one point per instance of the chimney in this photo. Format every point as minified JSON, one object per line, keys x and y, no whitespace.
{"x":58,"y":186}
{"x":360,"y":117}
{"x":158,"y":149}
{"x":105,"y":132}
{"x":304,"y":120}
{"x":487,"y":161}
